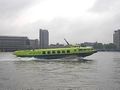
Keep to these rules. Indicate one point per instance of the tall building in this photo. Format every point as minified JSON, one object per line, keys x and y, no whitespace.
{"x":44,"y":38}
{"x":116,"y":38}
{"x":33,"y":43}
{"x":12,"y":43}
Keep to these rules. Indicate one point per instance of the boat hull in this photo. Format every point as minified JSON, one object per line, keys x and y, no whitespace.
{"x":58,"y":56}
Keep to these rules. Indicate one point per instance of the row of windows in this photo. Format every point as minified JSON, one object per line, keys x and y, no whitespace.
{"x":55,"y":52}
{"x":63,"y":51}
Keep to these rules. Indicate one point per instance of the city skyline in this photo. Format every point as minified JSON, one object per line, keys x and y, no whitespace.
{"x":76,"y":20}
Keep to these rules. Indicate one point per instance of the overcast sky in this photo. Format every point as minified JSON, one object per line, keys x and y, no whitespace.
{"x":76,"y":20}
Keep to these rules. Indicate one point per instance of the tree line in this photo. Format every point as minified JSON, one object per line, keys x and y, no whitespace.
{"x":101,"y":46}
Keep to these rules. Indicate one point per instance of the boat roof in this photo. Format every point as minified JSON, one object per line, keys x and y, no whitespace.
{"x":66,"y":48}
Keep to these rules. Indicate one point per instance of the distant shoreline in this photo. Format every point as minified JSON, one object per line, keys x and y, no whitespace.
{"x":108,"y":50}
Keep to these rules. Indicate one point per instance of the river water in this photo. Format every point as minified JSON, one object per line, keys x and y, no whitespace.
{"x":100,"y":71}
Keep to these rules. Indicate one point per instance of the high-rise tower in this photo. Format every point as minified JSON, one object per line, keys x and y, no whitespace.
{"x":116,"y":38}
{"x":43,"y":38}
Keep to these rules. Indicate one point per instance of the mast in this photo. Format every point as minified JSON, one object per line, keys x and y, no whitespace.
{"x":66,"y":41}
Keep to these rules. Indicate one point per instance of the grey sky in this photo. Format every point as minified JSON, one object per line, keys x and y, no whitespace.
{"x":94,"y":23}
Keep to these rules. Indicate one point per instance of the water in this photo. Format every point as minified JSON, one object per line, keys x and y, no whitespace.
{"x":100,"y":71}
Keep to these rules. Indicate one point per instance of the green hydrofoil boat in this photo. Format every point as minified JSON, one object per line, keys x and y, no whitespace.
{"x":56,"y":53}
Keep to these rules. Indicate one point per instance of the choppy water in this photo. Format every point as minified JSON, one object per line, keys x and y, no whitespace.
{"x":100,"y":71}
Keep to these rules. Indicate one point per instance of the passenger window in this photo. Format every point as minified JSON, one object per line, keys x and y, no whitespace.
{"x":68,"y":51}
{"x":63,"y":51}
{"x":58,"y":51}
{"x":43,"y":52}
{"x":53,"y":52}
{"x":48,"y":52}
{"x":80,"y":49}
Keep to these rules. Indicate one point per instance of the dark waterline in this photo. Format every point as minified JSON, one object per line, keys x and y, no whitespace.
{"x":100,"y":71}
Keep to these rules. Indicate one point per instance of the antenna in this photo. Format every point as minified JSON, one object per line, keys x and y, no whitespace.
{"x":66,"y":41}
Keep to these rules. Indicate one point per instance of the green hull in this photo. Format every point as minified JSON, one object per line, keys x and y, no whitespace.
{"x":56,"y":53}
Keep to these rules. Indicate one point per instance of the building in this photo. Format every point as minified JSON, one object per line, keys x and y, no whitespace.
{"x":12,"y":43}
{"x":34,"y":44}
{"x":90,"y":44}
{"x":44,"y":38}
{"x":57,"y":45}
{"x":116,"y":38}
